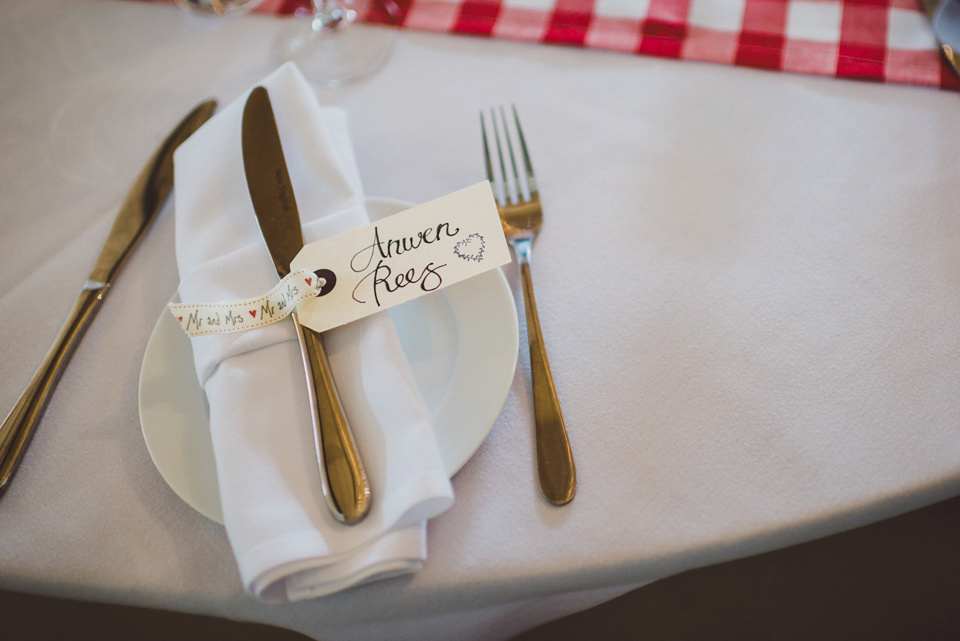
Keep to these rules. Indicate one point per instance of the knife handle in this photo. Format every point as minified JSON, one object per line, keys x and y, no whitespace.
{"x":18,"y":427}
{"x":342,"y":477}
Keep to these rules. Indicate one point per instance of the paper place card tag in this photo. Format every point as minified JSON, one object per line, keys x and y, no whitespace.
{"x":405,"y":256}
{"x":363,"y":271}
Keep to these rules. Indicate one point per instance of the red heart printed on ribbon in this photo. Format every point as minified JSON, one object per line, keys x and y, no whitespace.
{"x":253,"y":313}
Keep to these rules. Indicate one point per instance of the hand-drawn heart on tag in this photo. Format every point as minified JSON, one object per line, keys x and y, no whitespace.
{"x":471,"y":247}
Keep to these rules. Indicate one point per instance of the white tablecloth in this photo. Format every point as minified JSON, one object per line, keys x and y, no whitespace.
{"x":749,"y":283}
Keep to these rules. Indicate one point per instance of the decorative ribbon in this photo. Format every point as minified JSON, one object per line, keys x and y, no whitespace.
{"x":199,"y":319}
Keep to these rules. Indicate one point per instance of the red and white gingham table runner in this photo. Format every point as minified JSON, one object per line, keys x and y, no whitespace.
{"x":878,"y":40}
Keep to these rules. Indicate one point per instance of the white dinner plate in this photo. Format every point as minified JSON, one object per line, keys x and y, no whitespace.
{"x":462,"y":344}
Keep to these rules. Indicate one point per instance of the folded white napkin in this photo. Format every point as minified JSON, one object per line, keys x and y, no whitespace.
{"x":287,"y":544}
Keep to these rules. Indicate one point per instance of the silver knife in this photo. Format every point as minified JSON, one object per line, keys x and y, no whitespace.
{"x":944,"y":16}
{"x":143,"y":202}
{"x":342,"y":477}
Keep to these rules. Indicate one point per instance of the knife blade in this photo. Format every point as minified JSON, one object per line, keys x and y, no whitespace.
{"x":138,"y":210}
{"x":944,"y":16}
{"x":342,"y":476}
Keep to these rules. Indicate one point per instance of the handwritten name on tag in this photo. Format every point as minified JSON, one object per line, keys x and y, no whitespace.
{"x":410,"y":254}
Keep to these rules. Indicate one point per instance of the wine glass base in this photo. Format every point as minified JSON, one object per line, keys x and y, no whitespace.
{"x":333,"y":57}
{"x":217,"y":8}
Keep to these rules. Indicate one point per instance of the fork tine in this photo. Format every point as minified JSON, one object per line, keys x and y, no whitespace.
{"x":513,"y":159}
{"x":486,"y":150}
{"x":497,"y":185}
{"x":528,"y":166}
{"x":503,"y":167}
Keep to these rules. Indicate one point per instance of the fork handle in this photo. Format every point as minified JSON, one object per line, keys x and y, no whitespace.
{"x":558,"y":475}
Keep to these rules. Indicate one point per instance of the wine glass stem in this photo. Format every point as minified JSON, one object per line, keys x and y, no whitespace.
{"x":331,"y":14}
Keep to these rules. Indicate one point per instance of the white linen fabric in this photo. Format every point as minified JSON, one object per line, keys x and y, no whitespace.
{"x":749,"y":284}
{"x":287,"y":544}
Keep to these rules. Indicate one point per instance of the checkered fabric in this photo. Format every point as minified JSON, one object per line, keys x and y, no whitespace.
{"x":877,"y":40}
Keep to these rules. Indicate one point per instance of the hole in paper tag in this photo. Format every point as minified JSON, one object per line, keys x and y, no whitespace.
{"x":328,"y":280}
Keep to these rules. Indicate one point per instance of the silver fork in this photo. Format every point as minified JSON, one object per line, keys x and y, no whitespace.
{"x":521,"y":217}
